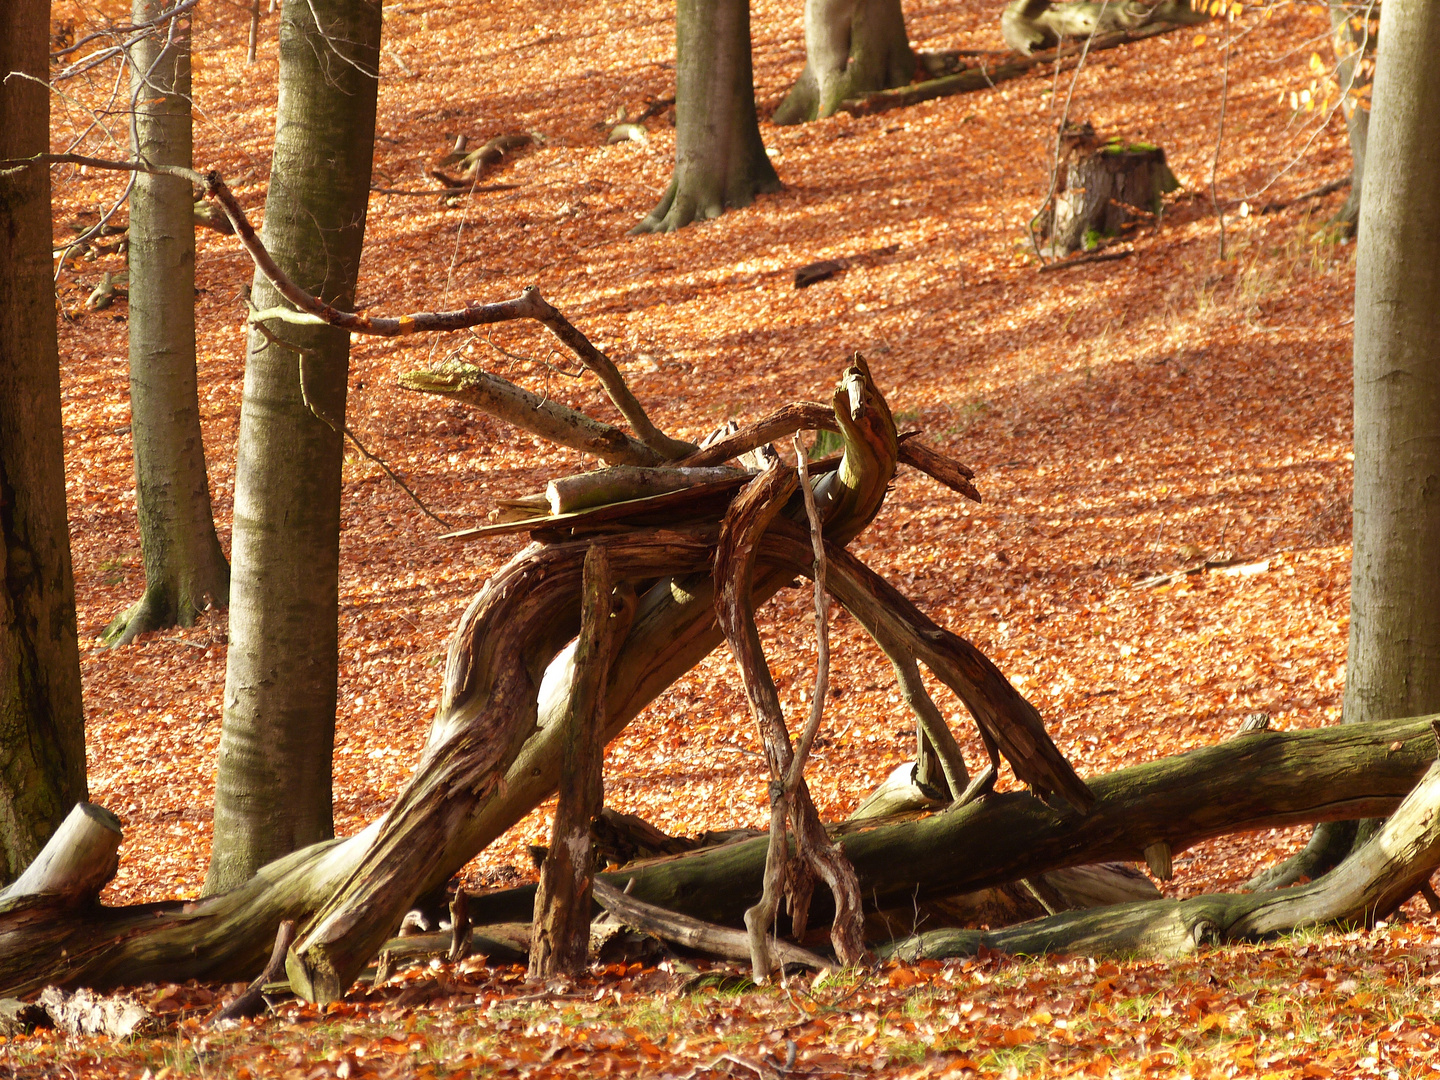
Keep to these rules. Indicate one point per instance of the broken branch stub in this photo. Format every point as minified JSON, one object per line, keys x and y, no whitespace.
{"x":560,"y":940}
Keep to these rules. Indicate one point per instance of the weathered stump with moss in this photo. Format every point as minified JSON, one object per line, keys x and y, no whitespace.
{"x":1103,"y":186}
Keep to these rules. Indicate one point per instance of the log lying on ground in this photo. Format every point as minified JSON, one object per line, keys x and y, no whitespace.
{"x":1075,"y":888}
{"x":1259,"y":781}
{"x":1266,"y":780}
{"x":984,"y":77}
{"x":1368,"y":886}
{"x":77,"y":861}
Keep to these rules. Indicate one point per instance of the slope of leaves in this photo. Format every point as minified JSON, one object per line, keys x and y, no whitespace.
{"x":1126,"y":418}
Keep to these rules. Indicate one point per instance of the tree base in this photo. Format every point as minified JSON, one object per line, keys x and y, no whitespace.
{"x":158,"y":609}
{"x":685,"y":204}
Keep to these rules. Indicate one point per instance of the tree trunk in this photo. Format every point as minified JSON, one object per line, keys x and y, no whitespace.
{"x":1266,"y":780}
{"x":1393,"y":668}
{"x":720,"y":161}
{"x":272,"y":790}
{"x":1351,"y":47}
{"x":852,"y":47}
{"x":185,"y":570}
{"x":42,"y":733}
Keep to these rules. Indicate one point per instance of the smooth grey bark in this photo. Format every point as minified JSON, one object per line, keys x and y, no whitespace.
{"x":42,"y":733}
{"x":720,"y":160}
{"x":185,"y":570}
{"x":852,"y":47}
{"x":1393,"y":668}
{"x":272,"y":791}
{"x":1350,"y":48}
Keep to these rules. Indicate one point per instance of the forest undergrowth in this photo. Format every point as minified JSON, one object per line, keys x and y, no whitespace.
{"x":1126,"y":419}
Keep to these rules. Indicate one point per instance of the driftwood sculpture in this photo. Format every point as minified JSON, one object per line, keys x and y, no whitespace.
{"x":702,"y":551}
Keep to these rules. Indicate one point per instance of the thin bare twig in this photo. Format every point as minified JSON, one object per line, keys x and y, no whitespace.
{"x":342,"y":427}
{"x":1220,"y":139}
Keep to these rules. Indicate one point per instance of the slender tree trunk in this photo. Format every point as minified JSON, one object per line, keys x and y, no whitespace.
{"x":1394,"y":661}
{"x":42,"y":733}
{"x":720,"y":161}
{"x":1350,"y":48}
{"x":852,"y":47}
{"x":272,"y":792}
{"x":1393,"y":666}
{"x":185,"y":570}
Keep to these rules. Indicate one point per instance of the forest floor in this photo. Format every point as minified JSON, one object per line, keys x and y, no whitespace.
{"x":1125,"y":418}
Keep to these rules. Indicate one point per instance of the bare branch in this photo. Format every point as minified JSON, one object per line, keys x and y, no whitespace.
{"x":528,"y":305}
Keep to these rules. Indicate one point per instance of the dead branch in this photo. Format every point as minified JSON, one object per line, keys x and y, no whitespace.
{"x":528,"y":305}
{"x":560,"y":940}
{"x":748,"y":518}
{"x":717,"y":941}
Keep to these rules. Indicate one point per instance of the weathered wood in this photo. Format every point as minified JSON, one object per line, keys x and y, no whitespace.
{"x":1008,"y":723}
{"x":459,"y":926}
{"x":252,"y":1001}
{"x":745,"y":521}
{"x":1073,"y":888}
{"x":560,"y":942}
{"x":898,"y":793}
{"x":508,"y":637}
{"x":1374,"y":881}
{"x":1103,"y":186}
{"x":1028,"y":25}
{"x":530,"y":412}
{"x":626,"y":482}
{"x":1267,"y":780}
{"x":76,"y":862}
{"x":707,"y":938}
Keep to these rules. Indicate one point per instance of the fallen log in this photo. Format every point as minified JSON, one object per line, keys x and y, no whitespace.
{"x":983,"y":76}
{"x":76,"y":863}
{"x":1367,"y":887}
{"x":1265,"y":780}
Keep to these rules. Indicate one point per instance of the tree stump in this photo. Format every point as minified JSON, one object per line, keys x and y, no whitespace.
{"x":1102,"y":187}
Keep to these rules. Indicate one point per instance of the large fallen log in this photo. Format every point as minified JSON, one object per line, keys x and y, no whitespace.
{"x":983,"y":76}
{"x":1257,"y":781}
{"x":1264,"y":780}
{"x":1367,"y":887}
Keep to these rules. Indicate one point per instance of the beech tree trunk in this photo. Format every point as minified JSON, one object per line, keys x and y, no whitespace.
{"x":852,"y":47}
{"x":272,"y":790}
{"x":185,"y":570}
{"x":42,"y":734}
{"x":720,"y":161}
{"x":1393,"y":667}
